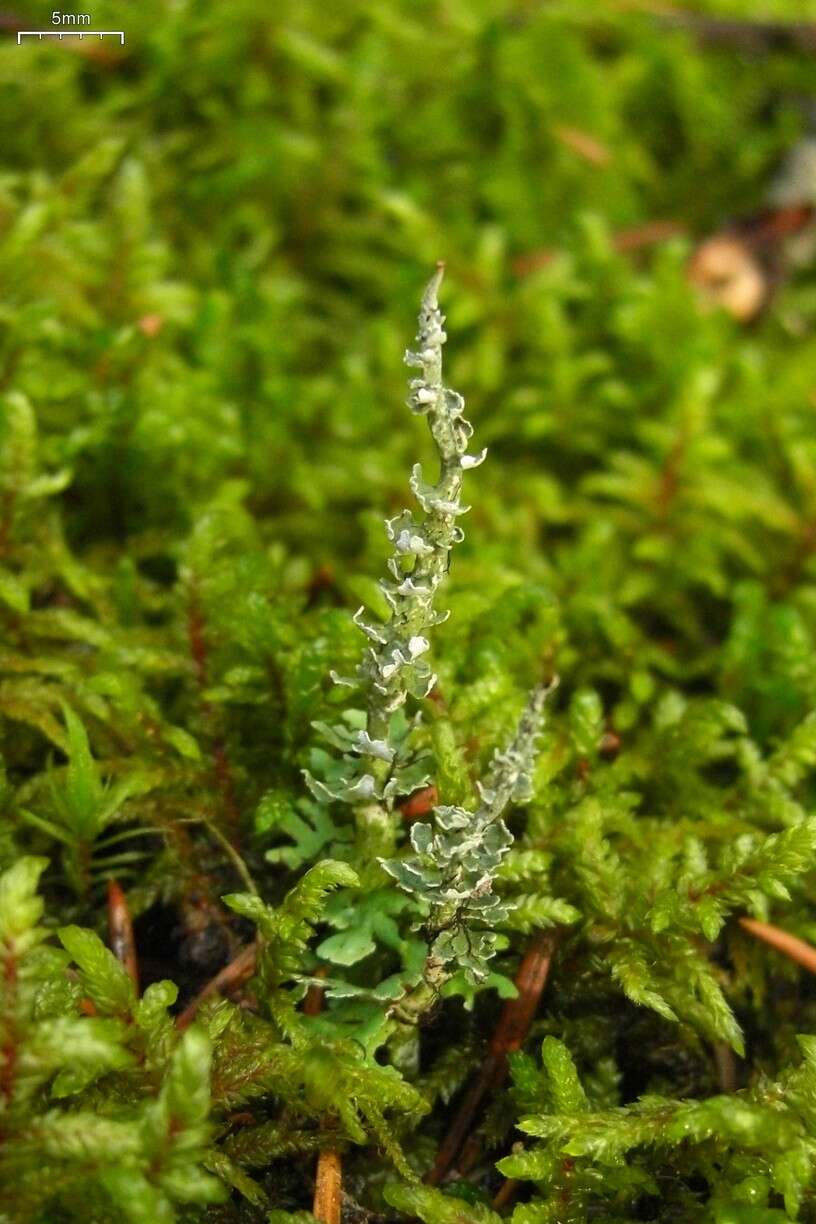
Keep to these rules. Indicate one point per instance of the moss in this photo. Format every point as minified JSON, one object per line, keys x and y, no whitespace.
{"x":211,"y":245}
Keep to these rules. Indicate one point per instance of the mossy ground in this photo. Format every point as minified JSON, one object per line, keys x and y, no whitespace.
{"x":211,"y":247}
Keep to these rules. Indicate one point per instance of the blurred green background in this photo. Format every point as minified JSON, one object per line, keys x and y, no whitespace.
{"x":212,"y":246}
{"x":212,"y":242}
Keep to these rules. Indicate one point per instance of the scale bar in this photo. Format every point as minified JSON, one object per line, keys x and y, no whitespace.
{"x":40,"y":34}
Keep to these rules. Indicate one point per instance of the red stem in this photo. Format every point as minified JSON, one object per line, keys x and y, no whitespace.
{"x":120,"y":932}
{"x":8,"y":1071}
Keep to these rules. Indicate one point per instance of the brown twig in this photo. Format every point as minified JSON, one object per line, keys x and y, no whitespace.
{"x":328,"y":1195}
{"x":506,"y":1193}
{"x":120,"y":932}
{"x":796,"y":949}
{"x":517,"y":1014}
{"x":225,"y":981}
{"x":509,"y":1035}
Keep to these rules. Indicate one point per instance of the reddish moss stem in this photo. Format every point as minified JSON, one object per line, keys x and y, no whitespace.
{"x":8,"y":1070}
{"x":120,"y":932}
{"x":328,"y":1196}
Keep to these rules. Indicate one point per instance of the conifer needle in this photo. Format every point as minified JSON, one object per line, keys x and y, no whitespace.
{"x":509,"y":1035}
{"x":120,"y":932}
{"x":789,"y":945}
{"x":233,"y":975}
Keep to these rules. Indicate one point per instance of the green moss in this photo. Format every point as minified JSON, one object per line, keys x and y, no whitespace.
{"x":212,"y":242}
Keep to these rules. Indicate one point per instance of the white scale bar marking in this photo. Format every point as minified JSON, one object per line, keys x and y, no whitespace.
{"x":40,"y":34}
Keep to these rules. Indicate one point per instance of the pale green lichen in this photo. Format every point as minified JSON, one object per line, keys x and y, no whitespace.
{"x":378,"y":762}
{"x":457,"y":857}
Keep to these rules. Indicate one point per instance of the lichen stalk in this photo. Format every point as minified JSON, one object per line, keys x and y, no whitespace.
{"x":373,"y":769}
